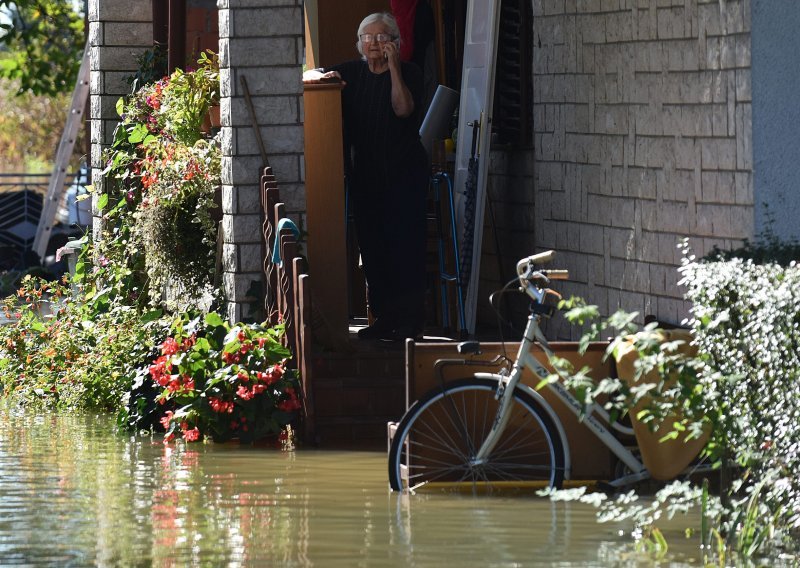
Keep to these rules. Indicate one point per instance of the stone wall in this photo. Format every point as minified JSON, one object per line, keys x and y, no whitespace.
{"x":119,"y":32}
{"x":642,"y":125}
{"x":261,"y":40}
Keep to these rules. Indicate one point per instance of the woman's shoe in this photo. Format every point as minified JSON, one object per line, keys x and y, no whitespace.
{"x":406,"y":332}
{"x":377,"y":330}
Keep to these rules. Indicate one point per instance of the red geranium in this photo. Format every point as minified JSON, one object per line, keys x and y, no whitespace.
{"x":221,"y":388}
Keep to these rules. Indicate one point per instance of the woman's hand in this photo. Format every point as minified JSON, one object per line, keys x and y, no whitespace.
{"x":317,"y":76}
{"x":402,"y":101}
{"x":392,"y":54}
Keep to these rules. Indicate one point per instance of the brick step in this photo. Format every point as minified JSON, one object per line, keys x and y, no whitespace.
{"x":355,"y":394}
{"x":358,"y":398}
{"x":382,"y":365}
{"x":355,"y":433}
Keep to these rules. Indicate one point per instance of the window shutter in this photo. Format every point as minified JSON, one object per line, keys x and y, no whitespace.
{"x":513,"y":95}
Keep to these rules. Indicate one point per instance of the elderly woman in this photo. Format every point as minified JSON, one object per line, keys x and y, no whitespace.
{"x":388,"y":175}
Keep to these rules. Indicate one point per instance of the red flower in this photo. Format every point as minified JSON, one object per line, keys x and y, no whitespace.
{"x":166,"y":419}
{"x":191,"y":435}
{"x":220,"y":406}
{"x":170,"y":346}
{"x":159,"y":371}
{"x":272,"y":375}
{"x":293,"y":403}
{"x":289,"y":405}
{"x":230,"y":358}
{"x":244,"y":393}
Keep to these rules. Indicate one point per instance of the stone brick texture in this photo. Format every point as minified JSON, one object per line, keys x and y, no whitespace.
{"x":642,"y":136}
{"x":119,"y":31}
{"x":262,"y":42}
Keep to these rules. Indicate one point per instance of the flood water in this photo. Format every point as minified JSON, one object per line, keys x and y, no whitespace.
{"x":75,"y":493}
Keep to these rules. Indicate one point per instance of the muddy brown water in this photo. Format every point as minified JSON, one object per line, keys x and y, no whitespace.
{"x":73,"y":492}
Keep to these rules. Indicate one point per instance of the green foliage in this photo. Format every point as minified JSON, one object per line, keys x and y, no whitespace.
{"x":44,"y":44}
{"x":59,"y":353}
{"x":218,"y":381}
{"x":743,"y":387}
{"x":767,"y":248}
{"x":160,"y":180}
{"x":151,"y":66}
{"x":746,"y":323}
{"x":30,"y":127}
{"x":107,"y":343}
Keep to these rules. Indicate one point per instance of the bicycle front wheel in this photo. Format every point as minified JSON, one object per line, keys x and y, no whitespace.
{"x":438,"y":437}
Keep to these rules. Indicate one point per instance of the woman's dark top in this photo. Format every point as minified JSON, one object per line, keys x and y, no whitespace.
{"x":382,"y":144}
{"x":387,"y":174}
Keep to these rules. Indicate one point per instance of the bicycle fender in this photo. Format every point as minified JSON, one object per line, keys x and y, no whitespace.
{"x":547,"y":408}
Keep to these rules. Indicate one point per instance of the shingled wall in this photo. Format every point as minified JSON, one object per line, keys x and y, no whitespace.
{"x":642,"y":136}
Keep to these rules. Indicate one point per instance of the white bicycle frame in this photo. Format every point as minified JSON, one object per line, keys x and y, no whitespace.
{"x":595,"y":417}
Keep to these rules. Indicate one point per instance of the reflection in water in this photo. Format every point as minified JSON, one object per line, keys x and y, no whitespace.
{"x":73,"y":493}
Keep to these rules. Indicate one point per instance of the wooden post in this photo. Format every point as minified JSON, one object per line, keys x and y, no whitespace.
{"x":325,"y":205}
{"x":304,"y":360}
{"x":269,"y":197}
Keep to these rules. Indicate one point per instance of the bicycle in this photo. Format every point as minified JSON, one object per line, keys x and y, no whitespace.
{"x":492,"y":430}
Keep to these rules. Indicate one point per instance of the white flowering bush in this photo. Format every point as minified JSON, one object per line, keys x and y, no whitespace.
{"x":746,"y":323}
{"x":742,"y":387}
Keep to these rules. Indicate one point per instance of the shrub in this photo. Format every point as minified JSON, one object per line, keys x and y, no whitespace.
{"x":218,"y":381}
{"x":746,"y":323}
{"x":743,"y":386}
{"x":160,"y":180}
{"x":59,"y":354}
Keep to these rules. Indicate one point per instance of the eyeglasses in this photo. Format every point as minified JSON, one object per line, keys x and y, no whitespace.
{"x":381,"y":38}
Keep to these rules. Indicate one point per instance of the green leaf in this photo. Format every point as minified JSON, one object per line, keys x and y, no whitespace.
{"x":102,"y":201}
{"x":151,"y":316}
{"x":138,"y":134}
{"x":213,"y":319}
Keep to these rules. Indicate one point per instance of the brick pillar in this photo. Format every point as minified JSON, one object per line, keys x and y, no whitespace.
{"x":261,"y":40}
{"x":119,"y":32}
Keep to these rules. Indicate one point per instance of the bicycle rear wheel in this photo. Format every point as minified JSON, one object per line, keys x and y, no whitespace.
{"x":438,"y":437}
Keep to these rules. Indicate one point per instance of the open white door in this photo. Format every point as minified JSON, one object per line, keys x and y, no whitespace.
{"x":475,"y":111}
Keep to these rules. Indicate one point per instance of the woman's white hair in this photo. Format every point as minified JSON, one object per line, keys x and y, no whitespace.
{"x":384,"y":18}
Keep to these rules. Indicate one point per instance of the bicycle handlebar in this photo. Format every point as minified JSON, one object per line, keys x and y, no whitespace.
{"x":526,"y":267}
{"x":540,"y":258}
{"x":556,"y":274}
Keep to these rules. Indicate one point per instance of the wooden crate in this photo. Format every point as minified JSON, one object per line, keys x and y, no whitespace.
{"x":590,"y":458}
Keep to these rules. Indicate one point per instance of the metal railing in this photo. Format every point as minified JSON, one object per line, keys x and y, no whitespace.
{"x":21,"y":196}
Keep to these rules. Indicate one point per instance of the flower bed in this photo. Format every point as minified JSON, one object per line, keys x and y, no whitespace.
{"x":217,"y":381}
